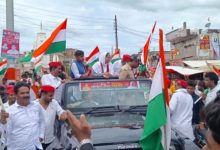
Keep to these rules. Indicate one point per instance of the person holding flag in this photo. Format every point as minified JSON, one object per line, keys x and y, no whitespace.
{"x":78,"y":69}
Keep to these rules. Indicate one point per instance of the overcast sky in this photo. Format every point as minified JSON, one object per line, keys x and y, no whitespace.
{"x":91,"y":22}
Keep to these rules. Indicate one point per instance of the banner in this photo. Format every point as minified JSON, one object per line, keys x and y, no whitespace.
{"x":205,"y":42}
{"x":10,"y":44}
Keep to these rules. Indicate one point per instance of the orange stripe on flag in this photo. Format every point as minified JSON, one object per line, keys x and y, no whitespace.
{"x":42,"y":49}
{"x":95,"y":51}
{"x":163,"y":66}
{"x":117,"y":52}
{"x":146,"y":49}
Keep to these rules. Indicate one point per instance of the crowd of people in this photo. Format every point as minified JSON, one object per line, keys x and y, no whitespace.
{"x":31,"y":105}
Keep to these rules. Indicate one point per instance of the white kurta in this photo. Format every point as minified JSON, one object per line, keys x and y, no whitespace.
{"x":49,"y":79}
{"x":97,"y":67}
{"x":53,"y":110}
{"x":181,"y":105}
{"x":116,"y":68}
{"x":25,"y":126}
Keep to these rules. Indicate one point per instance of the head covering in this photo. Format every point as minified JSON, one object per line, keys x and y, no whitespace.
{"x":183,"y":83}
{"x":102,"y":57}
{"x":126,"y":57}
{"x":47,"y":88}
{"x":10,"y":89}
{"x":55,"y":64}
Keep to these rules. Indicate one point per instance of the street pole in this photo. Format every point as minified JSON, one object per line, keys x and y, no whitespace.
{"x":116,"y":33}
{"x":10,"y":15}
{"x":11,"y":71}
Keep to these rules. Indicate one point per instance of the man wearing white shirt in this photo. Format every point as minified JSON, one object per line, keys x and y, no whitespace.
{"x":51,"y":109}
{"x":52,"y":78}
{"x":118,"y":64}
{"x":211,"y":82}
{"x":181,"y":110}
{"x":25,"y":124}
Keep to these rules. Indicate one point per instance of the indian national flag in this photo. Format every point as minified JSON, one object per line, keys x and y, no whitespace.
{"x":54,"y":44}
{"x":157,"y":130}
{"x":3,"y":67}
{"x":93,"y":57}
{"x":145,"y":51}
{"x":38,"y":65}
{"x":116,"y":56}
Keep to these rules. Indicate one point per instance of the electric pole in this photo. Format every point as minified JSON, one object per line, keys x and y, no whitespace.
{"x":116,"y":33}
{"x":10,"y":15}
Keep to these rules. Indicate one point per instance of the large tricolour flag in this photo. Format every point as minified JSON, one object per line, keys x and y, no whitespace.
{"x":116,"y":56}
{"x":157,"y":130}
{"x":3,"y":67}
{"x":145,"y":51}
{"x":54,"y":44}
{"x":93,"y":57}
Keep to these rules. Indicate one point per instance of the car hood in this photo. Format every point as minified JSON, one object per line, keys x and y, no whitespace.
{"x":116,"y":135}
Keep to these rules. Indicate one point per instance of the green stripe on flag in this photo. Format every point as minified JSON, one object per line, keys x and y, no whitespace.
{"x":2,"y":72}
{"x":114,"y":60}
{"x":26,"y":58}
{"x":92,"y":63}
{"x":56,"y":47}
{"x":155,"y":119}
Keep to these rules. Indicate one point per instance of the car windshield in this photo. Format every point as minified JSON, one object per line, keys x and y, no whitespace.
{"x":104,"y":97}
{"x":107,"y":93}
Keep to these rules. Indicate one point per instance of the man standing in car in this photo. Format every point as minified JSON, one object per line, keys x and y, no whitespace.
{"x":127,"y":70}
{"x":52,"y":78}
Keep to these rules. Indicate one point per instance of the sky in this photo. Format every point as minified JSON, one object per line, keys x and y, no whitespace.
{"x":91,"y":22}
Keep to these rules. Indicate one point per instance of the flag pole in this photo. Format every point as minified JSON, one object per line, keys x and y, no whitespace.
{"x":162,"y":58}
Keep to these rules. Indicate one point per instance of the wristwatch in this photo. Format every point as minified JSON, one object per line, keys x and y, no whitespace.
{"x":83,"y":142}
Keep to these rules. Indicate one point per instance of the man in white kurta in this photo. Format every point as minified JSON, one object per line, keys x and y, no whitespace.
{"x":52,"y":78}
{"x":51,"y":110}
{"x":25,"y":124}
{"x":181,"y":105}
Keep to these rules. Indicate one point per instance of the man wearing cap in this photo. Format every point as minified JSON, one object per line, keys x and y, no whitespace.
{"x":181,"y":106}
{"x":126,"y":71}
{"x":51,"y":109}
{"x":118,"y":64}
{"x":52,"y":78}
{"x":78,"y":69}
{"x":11,"y":96}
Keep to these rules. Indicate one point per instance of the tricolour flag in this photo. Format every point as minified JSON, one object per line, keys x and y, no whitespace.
{"x":116,"y":56}
{"x":93,"y":57}
{"x":157,"y":131}
{"x":38,"y":65}
{"x":54,"y":44}
{"x":213,"y":68}
{"x":3,"y":67}
{"x":145,"y":51}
